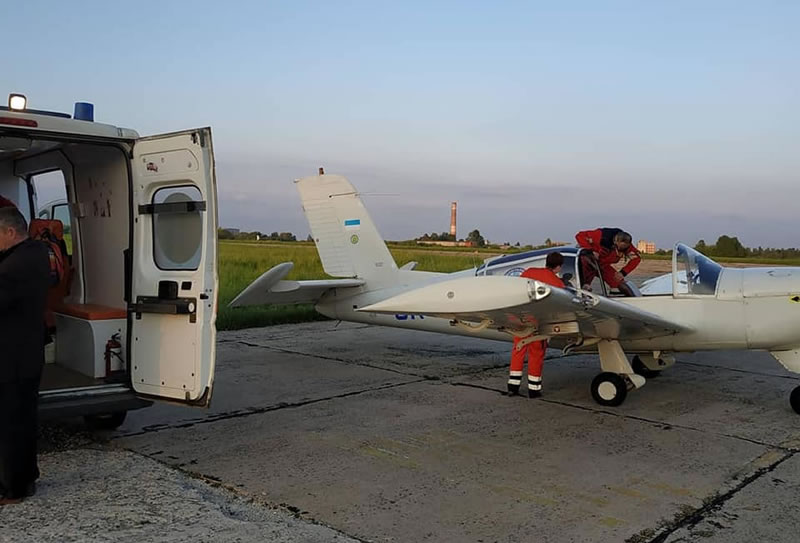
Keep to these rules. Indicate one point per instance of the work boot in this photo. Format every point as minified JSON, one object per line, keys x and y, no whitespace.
{"x":514,"y":381}
{"x":534,"y":386}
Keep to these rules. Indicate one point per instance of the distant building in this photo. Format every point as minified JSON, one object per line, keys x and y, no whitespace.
{"x":233,"y":231}
{"x":646,"y":247}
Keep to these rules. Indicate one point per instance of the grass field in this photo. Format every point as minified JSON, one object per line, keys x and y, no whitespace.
{"x":242,"y":262}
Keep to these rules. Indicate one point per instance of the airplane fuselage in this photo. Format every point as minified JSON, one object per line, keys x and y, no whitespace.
{"x":753,"y":308}
{"x":699,"y":306}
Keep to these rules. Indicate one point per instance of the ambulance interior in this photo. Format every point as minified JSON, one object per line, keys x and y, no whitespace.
{"x":88,"y":310}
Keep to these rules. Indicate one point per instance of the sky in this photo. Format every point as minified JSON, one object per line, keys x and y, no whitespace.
{"x":674,"y":120}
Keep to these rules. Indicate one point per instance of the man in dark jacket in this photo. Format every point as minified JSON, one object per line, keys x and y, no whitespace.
{"x":24,"y":280}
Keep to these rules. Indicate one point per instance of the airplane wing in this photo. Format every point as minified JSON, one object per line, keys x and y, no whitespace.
{"x":515,"y":304}
{"x":270,"y":288}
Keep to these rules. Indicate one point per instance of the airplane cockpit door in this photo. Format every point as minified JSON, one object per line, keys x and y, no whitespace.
{"x":173,"y":267}
{"x":598,"y":285}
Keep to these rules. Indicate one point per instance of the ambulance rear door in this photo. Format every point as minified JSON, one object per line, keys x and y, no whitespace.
{"x":173,"y":281}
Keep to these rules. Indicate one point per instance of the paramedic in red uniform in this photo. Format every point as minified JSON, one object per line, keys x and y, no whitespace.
{"x":534,"y":349}
{"x":609,"y":246}
{"x":24,"y":281}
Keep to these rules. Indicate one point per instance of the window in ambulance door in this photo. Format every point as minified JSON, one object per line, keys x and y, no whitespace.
{"x":178,"y":233}
{"x":50,"y":187}
{"x":51,"y":197}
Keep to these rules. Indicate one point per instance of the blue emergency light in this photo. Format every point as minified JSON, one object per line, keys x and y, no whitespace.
{"x":84,"y":111}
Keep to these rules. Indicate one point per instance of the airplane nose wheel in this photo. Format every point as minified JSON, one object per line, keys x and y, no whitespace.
{"x":794,"y":399}
{"x":610,"y":389}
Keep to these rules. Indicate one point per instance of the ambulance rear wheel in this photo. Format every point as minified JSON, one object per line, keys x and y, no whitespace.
{"x":794,"y":399}
{"x":609,"y":389}
{"x":108,"y":421}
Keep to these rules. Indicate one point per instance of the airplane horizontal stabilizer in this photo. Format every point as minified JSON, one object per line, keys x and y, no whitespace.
{"x":512,"y":303}
{"x":270,"y":288}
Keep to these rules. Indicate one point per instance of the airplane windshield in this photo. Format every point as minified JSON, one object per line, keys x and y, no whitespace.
{"x":694,"y":273}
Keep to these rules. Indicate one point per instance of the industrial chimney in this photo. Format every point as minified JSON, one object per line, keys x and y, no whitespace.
{"x":453,"y":220}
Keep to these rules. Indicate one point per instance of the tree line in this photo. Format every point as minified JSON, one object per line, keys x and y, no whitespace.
{"x":223,"y":233}
{"x":725,"y":246}
{"x":475,"y":237}
{"x":730,"y":246}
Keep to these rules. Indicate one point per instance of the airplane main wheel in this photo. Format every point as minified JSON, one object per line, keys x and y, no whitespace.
{"x":609,"y":389}
{"x":794,"y":399}
{"x":640,"y":369}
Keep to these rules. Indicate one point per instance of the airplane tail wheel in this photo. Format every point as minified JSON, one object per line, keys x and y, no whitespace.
{"x":794,"y":399}
{"x":640,"y":369}
{"x":609,"y":389}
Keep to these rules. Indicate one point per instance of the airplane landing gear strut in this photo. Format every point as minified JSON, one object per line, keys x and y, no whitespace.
{"x":610,"y":388}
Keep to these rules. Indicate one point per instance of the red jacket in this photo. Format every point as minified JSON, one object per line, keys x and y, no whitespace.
{"x":545,"y":275}
{"x":601,"y":241}
{"x":6,"y":203}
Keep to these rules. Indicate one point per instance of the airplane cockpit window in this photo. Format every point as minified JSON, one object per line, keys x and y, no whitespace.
{"x":568,"y":271}
{"x":694,"y":273}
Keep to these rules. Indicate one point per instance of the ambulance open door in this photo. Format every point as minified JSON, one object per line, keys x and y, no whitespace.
{"x":173,"y":267}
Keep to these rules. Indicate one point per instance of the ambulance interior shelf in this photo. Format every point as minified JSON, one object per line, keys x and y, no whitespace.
{"x":89,"y":339}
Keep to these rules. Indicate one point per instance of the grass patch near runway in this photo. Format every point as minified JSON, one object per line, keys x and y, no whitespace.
{"x":241,"y":262}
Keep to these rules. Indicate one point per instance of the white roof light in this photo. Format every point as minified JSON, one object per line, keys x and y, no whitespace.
{"x":17,"y":102}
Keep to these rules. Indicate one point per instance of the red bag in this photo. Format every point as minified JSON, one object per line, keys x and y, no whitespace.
{"x":51,"y":232}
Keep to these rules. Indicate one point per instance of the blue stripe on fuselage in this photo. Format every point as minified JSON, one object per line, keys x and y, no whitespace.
{"x":508,"y":259}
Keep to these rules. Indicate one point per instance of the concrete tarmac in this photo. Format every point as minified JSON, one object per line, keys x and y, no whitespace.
{"x":326,"y":432}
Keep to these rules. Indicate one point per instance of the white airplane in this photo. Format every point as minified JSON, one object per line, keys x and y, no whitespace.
{"x":699,"y":306}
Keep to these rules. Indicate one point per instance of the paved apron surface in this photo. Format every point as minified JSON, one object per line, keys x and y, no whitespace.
{"x":321,"y":432}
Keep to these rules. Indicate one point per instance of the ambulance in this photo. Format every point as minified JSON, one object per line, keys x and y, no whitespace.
{"x":134,"y":318}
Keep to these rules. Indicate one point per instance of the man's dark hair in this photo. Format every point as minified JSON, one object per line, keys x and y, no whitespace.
{"x":10,"y":217}
{"x":554,"y":260}
{"x":622,"y":235}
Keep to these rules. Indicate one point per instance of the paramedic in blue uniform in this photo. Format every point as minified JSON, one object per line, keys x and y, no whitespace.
{"x":24,"y":281}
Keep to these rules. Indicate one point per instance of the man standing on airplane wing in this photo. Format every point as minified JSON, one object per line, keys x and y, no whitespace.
{"x":608,"y":246}
{"x":534,"y":349}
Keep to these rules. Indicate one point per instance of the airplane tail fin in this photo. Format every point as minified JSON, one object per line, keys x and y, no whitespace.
{"x":347,"y":241}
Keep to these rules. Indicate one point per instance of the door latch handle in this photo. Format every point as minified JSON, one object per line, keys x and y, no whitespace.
{"x":154,"y":304}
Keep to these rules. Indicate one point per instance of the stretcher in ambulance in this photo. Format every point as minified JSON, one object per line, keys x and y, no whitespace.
{"x":134,"y":319}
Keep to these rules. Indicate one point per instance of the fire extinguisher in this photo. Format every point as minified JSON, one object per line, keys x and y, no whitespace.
{"x":113,"y":350}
